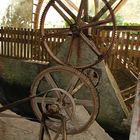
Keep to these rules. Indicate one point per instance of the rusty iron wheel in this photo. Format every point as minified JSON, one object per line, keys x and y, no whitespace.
{"x":73,"y":82}
{"x":61,"y":103}
{"x":79,"y":34}
{"x":93,"y":75}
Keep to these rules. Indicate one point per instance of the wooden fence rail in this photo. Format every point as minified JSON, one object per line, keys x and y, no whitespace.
{"x":26,"y":44}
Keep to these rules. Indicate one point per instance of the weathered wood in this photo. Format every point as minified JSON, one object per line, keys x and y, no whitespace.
{"x":126,"y":48}
{"x":122,"y":28}
{"x":135,"y":126}
{"x":26,"y":44}
{"x":119,"y":5}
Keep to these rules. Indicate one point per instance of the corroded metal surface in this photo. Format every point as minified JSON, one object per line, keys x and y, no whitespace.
{"x":79,"y":30}
{"x":76,"y":85}
{"x":57,"y":91}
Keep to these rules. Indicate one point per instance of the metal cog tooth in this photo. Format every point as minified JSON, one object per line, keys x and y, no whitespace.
{"x":37,"y":13}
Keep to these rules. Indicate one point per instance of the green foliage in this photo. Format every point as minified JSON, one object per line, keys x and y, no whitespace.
{"x":18,"y":14}
{"x":119,"y":19}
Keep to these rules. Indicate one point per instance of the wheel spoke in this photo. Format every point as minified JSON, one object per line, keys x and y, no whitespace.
{"x":72,"y":84}
{"x":48,"y":100}
{"x":48,"y":136}
{"x":69,"y":51}
{"x":51,"y":81}
{"x":73,"y":45}
{"x":62,"y":14}
{"x":66,"y":9}
{"x":59,"y":33}
{"x":87,"y":103}
{"x":68,"y":111}
{"x":91,"y":44}
{"x":97,"y":23}
{"x":72,"y":117}
{"x":58,"y":132}
{"x":81,"y":10}
{"x":75,"y":90}
{"x":103,"y":10}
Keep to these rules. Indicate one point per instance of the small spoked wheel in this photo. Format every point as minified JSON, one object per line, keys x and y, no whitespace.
{"x":60,"y":103}
{"x":65,"y":92}
{"x":79,"y":49}
{"x":93,"y":75}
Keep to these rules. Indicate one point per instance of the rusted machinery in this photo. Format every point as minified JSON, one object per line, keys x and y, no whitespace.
{"x":58,"y":90}
{"x":79,"y":33}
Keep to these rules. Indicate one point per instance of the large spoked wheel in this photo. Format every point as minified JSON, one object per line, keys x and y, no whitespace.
{"x":66,"y":91}
{"x":80,"y":49}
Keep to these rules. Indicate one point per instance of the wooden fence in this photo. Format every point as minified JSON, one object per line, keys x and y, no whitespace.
{"x":26,"y":44}
{"x":19,"y":43}
{"x":126,"y":50}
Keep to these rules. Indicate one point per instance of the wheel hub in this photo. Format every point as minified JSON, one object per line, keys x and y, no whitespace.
{"x":75,"y":29}
{"x":54,"y":108}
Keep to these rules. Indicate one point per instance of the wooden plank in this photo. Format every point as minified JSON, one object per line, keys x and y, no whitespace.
{"x":4,"y":43}
{"x":120,"y":28}
{"x":135,"y":125}
{"x":8,"y":42}
{"x":25,"y":43}
{"x":31,"y":47}
{"x":126,"y":45}
{"x":28,"y":44}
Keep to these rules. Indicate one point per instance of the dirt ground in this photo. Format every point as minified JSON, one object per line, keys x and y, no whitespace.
{"x":22,"y":129}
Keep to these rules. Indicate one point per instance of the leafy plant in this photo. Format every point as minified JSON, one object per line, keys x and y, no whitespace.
{"x":119,"y":19}
{"x":18,"y":14}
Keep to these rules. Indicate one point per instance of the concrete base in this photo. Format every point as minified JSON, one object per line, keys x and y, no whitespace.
{"x":22,"y":129}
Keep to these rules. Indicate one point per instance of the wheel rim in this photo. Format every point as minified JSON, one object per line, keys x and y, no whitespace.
{"x":74,"y":85}
{"x":77,"y":33}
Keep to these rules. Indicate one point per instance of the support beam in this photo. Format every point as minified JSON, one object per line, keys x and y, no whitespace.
{"x":135,"y":126}
{"x":119,"y":5}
